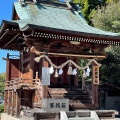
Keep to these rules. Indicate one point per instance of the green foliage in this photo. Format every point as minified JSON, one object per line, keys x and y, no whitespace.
{"x":88,"y":6}
{"x":82,"y":63}
{"x":107,"y":17}
{"x":110,"y":70}
{"x":1,"y":108}
{"x":2,"y":84}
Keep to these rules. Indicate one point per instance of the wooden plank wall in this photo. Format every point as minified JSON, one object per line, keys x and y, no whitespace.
{"x":14,"y":69}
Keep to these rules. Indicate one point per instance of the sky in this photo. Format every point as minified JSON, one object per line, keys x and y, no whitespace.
{"x":6,"y":7}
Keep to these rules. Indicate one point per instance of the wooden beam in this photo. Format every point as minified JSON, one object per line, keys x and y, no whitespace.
{"x":11,"y":40}
{"x":72,"y":55}
{"x":4,"y":34}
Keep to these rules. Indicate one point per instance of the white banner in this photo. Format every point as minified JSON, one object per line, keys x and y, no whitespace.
{"x":45,"y":76}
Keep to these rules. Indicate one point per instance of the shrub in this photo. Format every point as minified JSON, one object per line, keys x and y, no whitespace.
{"x":1,"y":108}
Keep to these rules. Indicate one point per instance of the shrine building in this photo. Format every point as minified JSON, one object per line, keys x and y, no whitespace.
{"x":51,"y":37}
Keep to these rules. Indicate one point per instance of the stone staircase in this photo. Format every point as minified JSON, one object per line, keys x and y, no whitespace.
{"x":79,"y":115}
{"x":38,"y":114}
{"x":78,"y":98}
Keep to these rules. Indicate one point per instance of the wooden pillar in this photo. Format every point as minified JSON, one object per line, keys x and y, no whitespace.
{"x":45,"y":87}
{"x":77,"y":75}
{"x":12,"y":103}
{"x":18,"y":102}
{"x":7,"y":69}
{"x":21,"y":64}
{"x":8,"y":100}
{"x":95,"y":83}
{"x":32,"y":56}
{"x":5,"y":103}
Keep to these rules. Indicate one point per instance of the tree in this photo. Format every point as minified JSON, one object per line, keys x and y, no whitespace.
{"x":89,"y":6}
{"x":2,"y":84}
{"x":110,"y":70}
{"x":108,"y":18}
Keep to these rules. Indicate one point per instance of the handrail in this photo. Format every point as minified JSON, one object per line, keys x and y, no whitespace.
{"x":85,"y":86}
{"x":19,"y":81}
{"x":88,"y":90}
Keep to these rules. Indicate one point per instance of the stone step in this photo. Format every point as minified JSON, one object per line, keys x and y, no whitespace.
{"x":82,"y":118}
{"x":81,"y":113}
{"x":37,"y":104}
{"x":47,"y":116}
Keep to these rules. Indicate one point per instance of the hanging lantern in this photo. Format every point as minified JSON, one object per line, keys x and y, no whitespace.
{"x":51,"y":70}
{"x":60,"y":71}
{"x":84,"y":74}
{"x":56,"y":73}
{"x":69,"y":69}
{"x":74,"y":72}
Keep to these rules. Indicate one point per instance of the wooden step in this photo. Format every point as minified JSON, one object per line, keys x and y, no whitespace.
{"x":68,"y":92}
{"x":63,"y":89}
{"x":73,"y":97}
{"x":78,"y":98}
{"x":80,"y":106}
{"x":80,"y":101}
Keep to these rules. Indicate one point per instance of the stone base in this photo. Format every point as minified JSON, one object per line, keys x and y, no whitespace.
{"x":5,"y":116}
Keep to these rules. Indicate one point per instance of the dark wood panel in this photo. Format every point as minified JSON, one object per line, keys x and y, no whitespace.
{"x":14,"y":68}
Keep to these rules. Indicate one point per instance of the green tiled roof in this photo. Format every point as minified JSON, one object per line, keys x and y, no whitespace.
{"x":55,"y":17}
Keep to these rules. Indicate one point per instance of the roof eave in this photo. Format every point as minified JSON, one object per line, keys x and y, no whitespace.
{"x":31,"y":26}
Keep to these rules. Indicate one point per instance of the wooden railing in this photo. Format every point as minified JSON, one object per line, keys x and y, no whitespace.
{"x":18,"y":82}
{"x":38,"y":84}
{"x":88,"y":89}
{"x":92,"y":90}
